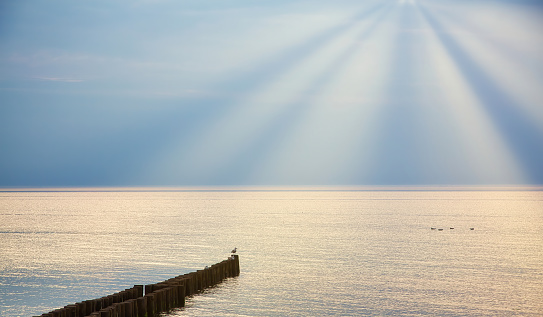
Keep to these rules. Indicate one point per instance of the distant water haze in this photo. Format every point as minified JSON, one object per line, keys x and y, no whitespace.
{"x":302,"y":252}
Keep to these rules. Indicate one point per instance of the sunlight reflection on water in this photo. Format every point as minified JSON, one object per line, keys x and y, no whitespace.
{"x":301,"y":252}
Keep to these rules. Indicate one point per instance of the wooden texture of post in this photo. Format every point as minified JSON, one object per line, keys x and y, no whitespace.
{"x":152,"y":299}
{"x":150,"y":304}
{"x":236,"y":265}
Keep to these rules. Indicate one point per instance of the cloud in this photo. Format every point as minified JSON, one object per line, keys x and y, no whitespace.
{"x":226,"y":92}
{"x":60,"y":79}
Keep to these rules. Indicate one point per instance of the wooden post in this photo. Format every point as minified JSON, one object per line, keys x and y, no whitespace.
{"x":229,"y":267}
{"x":128,"y":308}
{"x":200,"y":277}
{"x":164,"y":299}
{"x":148,"y":289}
{"x":167,"y":299}
{"x":236,"y":264}
{"x":114,"y":310}
{"x":108,"y":301}
{"x":216,"y":277}
{"x":169,"y":296}
{"x":142,"y":309}
{"x":89,"y":307}
{"x":172,"y":297}
{"x":104,"y":313}
{"x":97,"y":305}
{"x":192,"y":284}
{"x":158,"y":301}
{"x":139,"y":291}
{"x":182,"y":295}
{"x":132,"y":293}
{"x":122,"y":296}
{"x":150,"y":303}
{"x":175,"y":296}
{"x":80,"y":310}
{"x":71,"y":310}
{"x":189,"y":285}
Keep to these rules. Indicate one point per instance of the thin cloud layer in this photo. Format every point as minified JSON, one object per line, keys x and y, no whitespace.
{"x":405,"y":92}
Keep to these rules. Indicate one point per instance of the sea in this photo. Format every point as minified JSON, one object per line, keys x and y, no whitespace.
{"x":363,"y":251}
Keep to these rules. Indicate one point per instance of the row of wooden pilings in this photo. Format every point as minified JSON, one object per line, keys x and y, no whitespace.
{"x":158,"y":298}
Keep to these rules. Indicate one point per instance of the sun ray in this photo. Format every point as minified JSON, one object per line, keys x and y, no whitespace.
{"x":510,"y":65}
{"x":334,"y":136}
{"x":489,"y":154}
{"x":242,"y":123}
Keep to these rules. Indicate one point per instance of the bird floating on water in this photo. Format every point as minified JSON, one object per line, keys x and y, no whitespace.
{"x":234,"y":251}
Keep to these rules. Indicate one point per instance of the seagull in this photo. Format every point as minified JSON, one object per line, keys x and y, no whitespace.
{"x":234,"y":251}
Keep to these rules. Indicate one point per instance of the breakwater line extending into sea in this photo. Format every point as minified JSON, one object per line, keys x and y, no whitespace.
{"x":152,"y":299}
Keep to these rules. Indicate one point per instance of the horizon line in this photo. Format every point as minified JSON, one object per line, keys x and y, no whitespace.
{"x":271,"y":188}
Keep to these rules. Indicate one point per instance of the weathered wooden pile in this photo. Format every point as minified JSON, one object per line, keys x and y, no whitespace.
{"x":159,"y":297}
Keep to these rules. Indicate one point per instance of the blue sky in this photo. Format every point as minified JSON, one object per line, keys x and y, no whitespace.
{"x":182,"y":93}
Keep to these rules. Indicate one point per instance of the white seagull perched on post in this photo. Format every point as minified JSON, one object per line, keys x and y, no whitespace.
{"x":234,"y":251}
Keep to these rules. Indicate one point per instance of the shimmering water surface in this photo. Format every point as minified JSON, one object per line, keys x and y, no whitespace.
{"x":302,"y":252}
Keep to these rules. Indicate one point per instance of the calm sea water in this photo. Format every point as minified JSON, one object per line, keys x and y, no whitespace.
{"x":302,"y":253}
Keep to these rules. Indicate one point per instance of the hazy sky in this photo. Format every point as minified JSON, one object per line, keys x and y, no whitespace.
{"x":271,"y":92}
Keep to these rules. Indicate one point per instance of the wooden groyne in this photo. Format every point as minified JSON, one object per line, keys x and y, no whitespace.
{"x":150,"y":300}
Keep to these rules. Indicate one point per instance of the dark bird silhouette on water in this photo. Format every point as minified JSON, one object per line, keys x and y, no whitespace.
{"x":234,"y":251}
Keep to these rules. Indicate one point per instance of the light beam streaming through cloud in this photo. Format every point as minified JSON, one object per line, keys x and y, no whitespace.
{"x":394,"y":92}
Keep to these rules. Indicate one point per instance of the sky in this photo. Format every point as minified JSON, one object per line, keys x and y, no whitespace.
{"x":278,"y":93}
